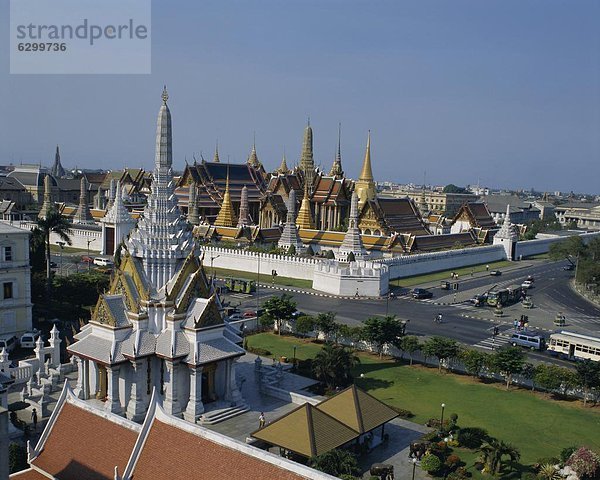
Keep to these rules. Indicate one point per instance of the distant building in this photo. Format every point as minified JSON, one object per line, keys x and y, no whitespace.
{"x":521,"y":211}
{"x":15,"y":281}
{"x":586,"y":215}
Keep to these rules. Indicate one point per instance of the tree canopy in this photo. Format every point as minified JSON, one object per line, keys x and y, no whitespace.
{"x":382,"y":332}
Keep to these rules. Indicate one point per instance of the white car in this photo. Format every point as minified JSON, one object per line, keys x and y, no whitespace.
{"x":527,"y":284}
{"x":103,"y":262}
{"x":28,"y":339}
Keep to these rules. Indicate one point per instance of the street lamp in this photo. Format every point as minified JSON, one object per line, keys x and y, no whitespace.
{"x":442,"y":418}
{"x":212,"y":271}
{"x":258,"y":286}
{"x":61,"y":245}
{"x":387,"y":302}
{"x":88,"y":251}
{"x":414,"y":460}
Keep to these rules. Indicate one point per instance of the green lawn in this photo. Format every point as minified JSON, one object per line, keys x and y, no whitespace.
{"x":537,"y":426}
{"x":286,"y":281}
{"x":445,"y":274}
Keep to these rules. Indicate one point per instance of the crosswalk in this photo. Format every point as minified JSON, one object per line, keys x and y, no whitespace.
{"x":494,"y":342}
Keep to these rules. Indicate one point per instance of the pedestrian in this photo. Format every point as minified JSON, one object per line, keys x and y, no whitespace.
{"x":261,"y":420}
{"x":472,"y":272}
{"x":34,"y":419}
{"x":487,"y":268}
{"x":496,"y":331}
{"x":356,"y":294}
{"x":516,"y":324}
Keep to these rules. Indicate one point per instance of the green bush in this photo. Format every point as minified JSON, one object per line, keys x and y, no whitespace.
{"x":471,"y":437}
{"x":403,"y":413}
{"x":452,"y":462}
{"x":529,"y":476}
{"x":17,"y":458}
{"x":431,"y":437}
{"x":567,"y":452}
{"x":430,"y":463}
{"x":263,"y":352}
{"x":546,"y":461}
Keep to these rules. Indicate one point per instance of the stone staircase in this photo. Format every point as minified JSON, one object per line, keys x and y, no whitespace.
{"x":221,"y":414}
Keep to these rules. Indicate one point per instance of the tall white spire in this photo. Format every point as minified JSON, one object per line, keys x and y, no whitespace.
{"x":163,"y":238}
{"x":352,"y":240}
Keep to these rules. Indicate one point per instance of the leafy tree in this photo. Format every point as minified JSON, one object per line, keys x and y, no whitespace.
{"x":444,"y":349}
{"x":17,"y":458}
{"x":37,"y":250}
{"x":492,"y":453}
{"x":382,"y":331}
{"x":569,"y":380}
{"x":329,"y":255}
{"x":409,"y":344}
{"x":351,"y":257}
{"x":588,"y":376}
{"x":54,"y":222}
{"x":549,"y":377}
{"x":325,"y":323}
{"x":354,"y":334}
{"x":305,"y":324}
{"x":569,"y":249}
{"x":528,"y":372}
{"x":333,"y":365}
{"x":278,"y":309}
{"x":451,"y":188}
{"x":507,"y":362}
{"x":336,"y":462}
{"x":431,"y":463}
{"x":474,"y":361}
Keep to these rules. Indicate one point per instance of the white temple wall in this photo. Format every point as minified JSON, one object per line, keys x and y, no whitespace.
{"x":79,"y":236}
{"x":183,"y":384}
{"x":542,"y":245}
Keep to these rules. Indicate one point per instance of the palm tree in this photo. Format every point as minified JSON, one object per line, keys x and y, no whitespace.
{"x":492,"y":452}
{"x":54,"y":222}
{"x":332,"y":365}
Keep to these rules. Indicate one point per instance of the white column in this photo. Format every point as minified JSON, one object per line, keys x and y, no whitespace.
{"x":236,"y":395}
{"x":86,"y":378}
{"x":80,"y":380}
{"x":195,"y":407}
{"x":55,"y":345}
{"x":171,"y":400}
{"x":135,"y":407}
{"x":113,"y":403}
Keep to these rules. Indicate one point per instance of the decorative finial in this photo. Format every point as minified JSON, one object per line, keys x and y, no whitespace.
{"x":308,"y":122}
{"x":165,"y":95}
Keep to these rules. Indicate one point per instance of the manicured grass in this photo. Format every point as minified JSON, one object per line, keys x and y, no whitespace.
{"x":286,"y":281}
{"x":445,"y":274}
{"x":66,"y":249}
{"x":537,"y":426}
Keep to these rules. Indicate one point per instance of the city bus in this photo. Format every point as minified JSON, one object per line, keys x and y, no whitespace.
{"x":574,"y":346}
{"x":505,"y":296}
{"x":240,"y":285}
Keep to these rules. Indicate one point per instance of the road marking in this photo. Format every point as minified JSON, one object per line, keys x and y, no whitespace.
{"x":240,"y":295}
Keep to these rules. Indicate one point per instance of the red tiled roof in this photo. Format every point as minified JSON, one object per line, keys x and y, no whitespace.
{"x":191,"y":457}
{"x":28,"y":474}
{"x":84,"y":445}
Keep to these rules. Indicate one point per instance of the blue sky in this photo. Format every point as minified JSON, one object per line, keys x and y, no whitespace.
{"x":505,"y":92}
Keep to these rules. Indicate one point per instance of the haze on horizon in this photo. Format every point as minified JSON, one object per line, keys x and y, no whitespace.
{"x":504,"y":92}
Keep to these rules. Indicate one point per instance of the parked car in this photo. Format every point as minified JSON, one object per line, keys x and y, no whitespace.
{"x":420,"y":293}
{"x":8,"y":343}
{"x":235,"y":316}
{"x":527,"y":284}
{"x":479,"y":300}
{"x":570,"y":267}
{"x":28,"y":339}
{"x":53,"y":265}
{"x":495,"y":273}
{"x":249,"y":314}
{"x":103,"y":262}
{"x":530,"y":278}
{"x":86,"y":259}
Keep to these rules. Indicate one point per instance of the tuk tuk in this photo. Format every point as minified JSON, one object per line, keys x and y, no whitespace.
{"x":527,"y":303}
{"x":560,"y":320}
{"x":444,"y":285}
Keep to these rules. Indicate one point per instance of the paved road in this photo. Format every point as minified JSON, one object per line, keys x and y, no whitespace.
{"x":462,"y":321}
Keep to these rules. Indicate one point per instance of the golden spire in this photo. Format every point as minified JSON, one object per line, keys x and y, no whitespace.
{"x":226,"y":216}
{"x":304,"y":218}
{"x":283,"y":168}
{"x":253,"y":158}
{"x":365,"y":186}
{"x":336,"y":168}
{"x":216,"y":157}
{"x":366,"y":174}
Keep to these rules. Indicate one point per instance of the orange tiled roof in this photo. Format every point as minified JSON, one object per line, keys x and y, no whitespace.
{"x":194,"y":457}
{"x":85,"y":445}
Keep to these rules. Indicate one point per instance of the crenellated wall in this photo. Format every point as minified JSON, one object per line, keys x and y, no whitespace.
{"x":360,"y":278}
{"x":79,"y":235}
{"x":542,"y":245}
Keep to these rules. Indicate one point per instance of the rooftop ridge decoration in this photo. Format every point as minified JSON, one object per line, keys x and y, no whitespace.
{"x":162,"y":238}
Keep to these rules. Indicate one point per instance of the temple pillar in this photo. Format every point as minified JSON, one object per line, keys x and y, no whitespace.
{"x":234,"y":392}
{"x":79,"y":391}
{"x":171,"y":399}
{"x":195,"y":407}
{"x":101,"y":384}
{"x":113,"y":404}
{"x":135,"y":407}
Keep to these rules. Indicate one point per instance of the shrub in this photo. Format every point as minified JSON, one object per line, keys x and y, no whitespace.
{"x":567,"y":452}
{"x":463,"y":472}
{"x":452,"y":462}
{"x":431,"y":437}
{"x":263,"y":352}
{"x":17,"y":458}
{"x":453,"y":418}
{"x":430,"y":463}
{"x":471,"y":437}
{"x":546,"y":461}
{"x":529,"y":476}
{"x":585,"y":463}
{"x":549,"y":472}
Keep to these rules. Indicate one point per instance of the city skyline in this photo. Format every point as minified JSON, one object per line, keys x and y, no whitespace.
{"x":499,"y":94}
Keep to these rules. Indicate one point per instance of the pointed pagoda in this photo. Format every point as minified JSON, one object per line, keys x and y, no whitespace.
{"x":226,"y":216}
{"x":216,"y":157}
{"x":365,"y":186}
{"x":289,"y":236}
{"x":283,"y":168}
{"x":507,"y":236}
{"x":48,"y":203}
{"x":244,"y":215}
{"x":57,"y":169}
{"x":83,"y":214}
{"x":253,"y":160}
{"x":116,"y":224}
{"x":305,"y":218}
{"x":336,"y":169}
{"x":307,"y":162}
{"x":163,"y":238}
{"x":352,"y":242}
